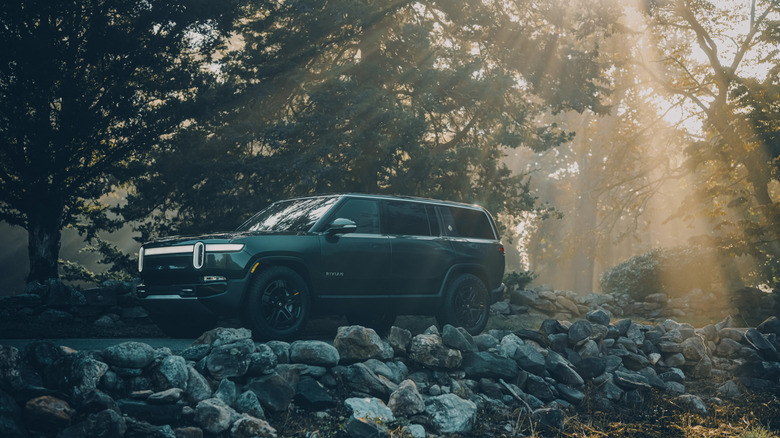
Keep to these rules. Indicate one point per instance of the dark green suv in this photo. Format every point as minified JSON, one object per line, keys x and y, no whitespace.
{"x":364,"y":256}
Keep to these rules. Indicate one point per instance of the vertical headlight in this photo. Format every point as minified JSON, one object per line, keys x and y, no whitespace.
{"x":198,"y":255}
{"x":141,"y":259}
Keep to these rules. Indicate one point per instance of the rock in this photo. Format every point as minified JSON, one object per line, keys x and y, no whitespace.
{"x":76,"y":374}
{"x":356,"y":343}
{"x":399,"y":339}
{"x":630,"y":380}
{"x":636,"y":334}
{"x":251,"y":427}
{"x":196,"y":352}
{"x":759,"y":342}
{"x":552,"y":327}
{"x":363,"y":428}
{"x":451,"y":414}
{"x":458,"y":339}
{"x":311,"y":395}
{"x":155,"y":414}
{"x":550,"y":419}
{"x":171,"y":372}
{"x":264,"y":360}
{"x":229,"y":359}
{"x":769,"y":326}
{"x":281,"y":349}
{"x":562,"y":371}
{"x":188,"y":432}
{"x":533,"y":335}
{"x":406,"y":400}
{"x":539,"y":388}
{"x":247,"y":403}
{"x":226,"y":391}
{"x":501,"y":308}
{"x":360,"y":378}
{"x":10,"y":367}
{"x":314,"y":353}
{"x":580,"y":331}
{"x":429,"y":351}
{"x":214,"y":416}
{"x":273,"y":392}
{"x":694,"y":348}
{"x":197,"y":387}
{"x":485,"y":342}
{"x":675,"y":360}
{"x":166,"y":397}
{"x":728,"y":348}
{"x":48,"y":414}
{"x":488,"y":364}
{"x":691,"y":403}
{"x":591,"y":367}
{"x":106,"y":424}
{"x":369,"y":408}
{"x":223,"y":336}
{"x":729,"y":389}
{"x":129,"y":355}
{"x":598,"y":316}
{"x":529,"y":359}
{"x":571,"y":395}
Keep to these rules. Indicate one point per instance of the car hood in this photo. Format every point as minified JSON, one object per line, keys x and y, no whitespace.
{"x":222,"y":237}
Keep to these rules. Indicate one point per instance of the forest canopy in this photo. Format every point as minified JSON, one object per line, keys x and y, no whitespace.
{"x":623,"y":119}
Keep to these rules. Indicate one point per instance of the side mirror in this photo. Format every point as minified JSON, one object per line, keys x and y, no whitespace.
{"x":341,"y":226}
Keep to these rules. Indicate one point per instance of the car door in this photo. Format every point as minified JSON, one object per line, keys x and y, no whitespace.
{"x":356,"y":263}
{"x":420,"y":256}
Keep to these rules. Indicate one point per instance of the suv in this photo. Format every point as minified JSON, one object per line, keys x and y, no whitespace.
{"x":364,"y":256}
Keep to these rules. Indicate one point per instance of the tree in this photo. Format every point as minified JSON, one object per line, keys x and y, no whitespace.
{"x":87,"y":88}
{"x":722,"y":62}
{"x":406,"y":97}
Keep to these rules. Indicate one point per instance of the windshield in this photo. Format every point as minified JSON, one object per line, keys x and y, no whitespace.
{"x":295,"y":215}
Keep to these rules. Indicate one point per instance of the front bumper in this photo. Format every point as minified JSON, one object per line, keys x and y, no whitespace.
{"x":204,"y":299}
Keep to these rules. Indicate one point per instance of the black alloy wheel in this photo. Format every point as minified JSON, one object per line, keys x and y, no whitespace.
{"x":278,"y":304}
{"x":466,"y":304}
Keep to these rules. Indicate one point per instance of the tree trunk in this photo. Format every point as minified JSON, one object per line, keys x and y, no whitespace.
{"x":43,"y":243}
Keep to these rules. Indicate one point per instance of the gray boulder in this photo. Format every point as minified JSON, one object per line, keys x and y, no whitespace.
{"x":214,"y":416}
{"x":314,"y":353}
{"x":356,"y":343}
{"x":406,"y":400}
{"x":229,"y":360}
{"x":451,"y":414}
{"x":429,"y":351}
{"x":129,"y":355}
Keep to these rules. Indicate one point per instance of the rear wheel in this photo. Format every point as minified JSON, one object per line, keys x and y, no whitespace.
{"x":278,"y":304}
{"x":380,"y":322}
{"x":466,"y":304}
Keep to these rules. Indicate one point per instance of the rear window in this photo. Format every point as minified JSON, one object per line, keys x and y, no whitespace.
{"x":407,"y":219}
{"x":466,"y":222}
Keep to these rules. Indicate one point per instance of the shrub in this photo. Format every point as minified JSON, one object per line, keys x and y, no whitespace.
{"x":673,"y":271}
{"x":518,"y":280}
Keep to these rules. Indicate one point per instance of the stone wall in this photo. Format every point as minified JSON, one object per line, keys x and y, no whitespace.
{"x":226,"y":385}
{"x":746,"y":304}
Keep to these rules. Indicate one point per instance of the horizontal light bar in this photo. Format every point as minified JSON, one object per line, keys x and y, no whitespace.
{"x":186,"y":249}
{"x":169,"y":250}
{"x":224,"y":247}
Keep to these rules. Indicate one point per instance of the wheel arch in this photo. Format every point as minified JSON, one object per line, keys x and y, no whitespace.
{"x":457,"y":270}
{"x":260,"y":265}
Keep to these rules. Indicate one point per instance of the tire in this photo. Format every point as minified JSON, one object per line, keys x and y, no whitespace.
{"x":181,"y":327}
{"x":466,"y":304}
{"x":278,"y":304}
{"x":379,"y":322}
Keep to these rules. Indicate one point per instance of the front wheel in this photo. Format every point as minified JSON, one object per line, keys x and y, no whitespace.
{"x":278,"y":304}
{"x":466,"y":304}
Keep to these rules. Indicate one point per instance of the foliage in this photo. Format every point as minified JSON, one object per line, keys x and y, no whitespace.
{"x":412,"y":97}
{"x":732,"y":90}
{"x":673,"y":271}
{"x":87,"y":89}
{"x":519,"y":280}
{"x":120,"y":266}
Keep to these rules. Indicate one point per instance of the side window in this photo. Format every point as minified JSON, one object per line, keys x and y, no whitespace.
{"x":465,"y":222}
{"x":406,"y":218}
{"x":364,"y":212}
